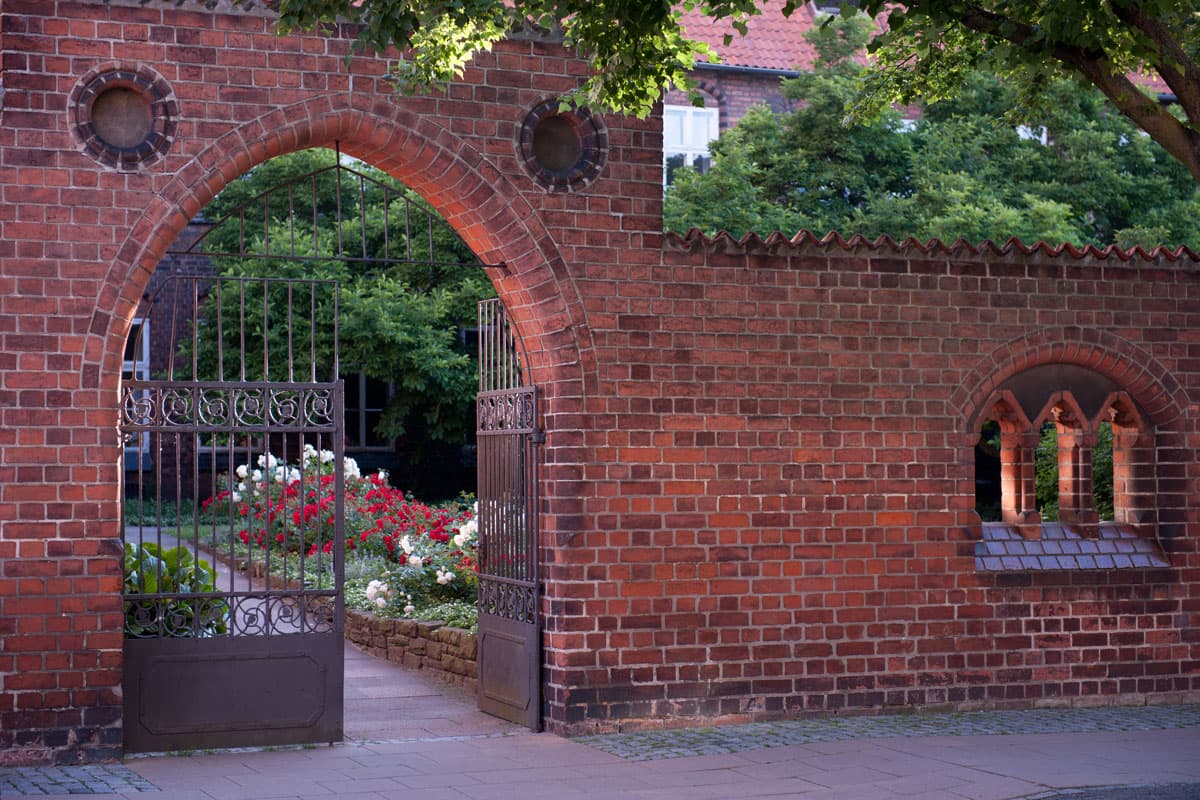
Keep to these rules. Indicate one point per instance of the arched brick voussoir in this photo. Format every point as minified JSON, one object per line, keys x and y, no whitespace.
{"x":1138,"y":372}
{"x":474,"y":196}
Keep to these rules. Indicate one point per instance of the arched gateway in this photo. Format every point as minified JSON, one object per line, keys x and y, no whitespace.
{"x":758,"y":478}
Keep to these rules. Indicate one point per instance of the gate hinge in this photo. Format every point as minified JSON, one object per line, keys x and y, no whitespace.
{"x":538,"y":437}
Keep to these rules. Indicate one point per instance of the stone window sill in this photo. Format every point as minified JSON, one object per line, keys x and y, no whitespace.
{"x":1116,"y":546}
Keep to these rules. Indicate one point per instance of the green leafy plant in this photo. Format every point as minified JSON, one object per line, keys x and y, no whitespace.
{"x":151,"y":569}
{"x":461,"y":614}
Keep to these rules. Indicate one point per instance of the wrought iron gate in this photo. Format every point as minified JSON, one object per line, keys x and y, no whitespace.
{"x":233,"y":615}
{"x":507,"y":436}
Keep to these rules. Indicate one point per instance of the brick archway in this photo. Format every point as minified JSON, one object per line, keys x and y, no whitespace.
{"x":482,"y":204}
{"x":475,"y":198}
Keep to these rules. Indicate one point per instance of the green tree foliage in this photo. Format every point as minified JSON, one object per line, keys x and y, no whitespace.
{"x":399,"y":320}
{"x":1082,"y":174}
{"x":932,"y":47}
{"x":636,"y":48}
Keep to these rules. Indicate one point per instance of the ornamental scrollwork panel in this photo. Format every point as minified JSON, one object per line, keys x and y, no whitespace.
{"x":167,"y":406}
{"x":507,"y":600}
{"x":184,"y":616}
{"x":509,"y":411}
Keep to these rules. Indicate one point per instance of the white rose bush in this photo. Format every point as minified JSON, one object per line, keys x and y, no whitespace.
{"x":422,"y":555}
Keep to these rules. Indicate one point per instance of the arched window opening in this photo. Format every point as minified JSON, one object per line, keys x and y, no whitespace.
{"x":1070,"y":441}
{"x":1075,"y":487}
{"x":1046,"y":471}
{"x":1006,"y":431}
{"x":988,"y":470}
{"x":1132,"y":460}
{"x":1102,"y":472}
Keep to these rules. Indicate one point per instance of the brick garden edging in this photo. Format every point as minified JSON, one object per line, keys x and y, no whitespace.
{"x":444,"y":652}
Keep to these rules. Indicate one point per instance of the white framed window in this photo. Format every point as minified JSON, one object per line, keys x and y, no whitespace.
{"x":1037,"y":134}
{"x":833,"y":6}
{"x":687,"y":132}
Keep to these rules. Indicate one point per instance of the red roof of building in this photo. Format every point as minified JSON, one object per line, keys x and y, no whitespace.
{"x":772,"y":41}
{"x":776,"y":42}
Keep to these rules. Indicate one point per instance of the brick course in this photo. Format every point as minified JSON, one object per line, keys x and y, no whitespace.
{"x":759,"y":474}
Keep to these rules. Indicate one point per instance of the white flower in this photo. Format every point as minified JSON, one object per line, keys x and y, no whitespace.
{"x":444,"y":577}
{"x":406,"y":544}
{"x":415,"y":561}
{"x":378,"y":593}
{"x":350,"y":468}
{"x":409,"y":610}
{"x":326,"y":457}
{"x":242,"y":471}
{"x":256,"y":476}
{"x":235,"y":497}
{"x":466,"y":532}
{"x":267,"y":461}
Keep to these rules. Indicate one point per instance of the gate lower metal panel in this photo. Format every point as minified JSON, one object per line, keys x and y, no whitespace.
{"x":236,"y":692}
{"x":508,"y":669}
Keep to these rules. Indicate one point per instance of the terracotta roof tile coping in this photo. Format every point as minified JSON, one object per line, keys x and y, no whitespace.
{"x":752,"y":243}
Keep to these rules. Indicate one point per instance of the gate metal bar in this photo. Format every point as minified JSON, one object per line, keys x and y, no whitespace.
{"x":248,"y":652}
{"x":507,"y":433}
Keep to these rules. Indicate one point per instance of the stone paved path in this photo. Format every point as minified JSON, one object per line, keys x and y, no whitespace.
{"x":411,"y":737}
{"x":1096,"y":754}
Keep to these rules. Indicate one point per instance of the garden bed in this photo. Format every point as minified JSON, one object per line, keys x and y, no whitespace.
{"x":433,"y":647}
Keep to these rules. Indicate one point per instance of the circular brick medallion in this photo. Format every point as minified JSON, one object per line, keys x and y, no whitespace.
{"x":563,"y":150}
{"x":125,"y":117}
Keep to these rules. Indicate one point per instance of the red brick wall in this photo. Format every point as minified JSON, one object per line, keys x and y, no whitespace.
{"x":778,"y":487}
{"x":758,"y":478}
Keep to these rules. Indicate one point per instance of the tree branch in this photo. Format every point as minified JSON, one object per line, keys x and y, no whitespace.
{"x":1175,"y":66}
{"x":1175,"y":138}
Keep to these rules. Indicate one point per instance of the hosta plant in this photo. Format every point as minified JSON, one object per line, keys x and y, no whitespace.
{"x":153,"y":570}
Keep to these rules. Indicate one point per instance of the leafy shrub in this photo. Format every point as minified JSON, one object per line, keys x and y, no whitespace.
{"x":151,"y":569}
{"x":455,"y":613}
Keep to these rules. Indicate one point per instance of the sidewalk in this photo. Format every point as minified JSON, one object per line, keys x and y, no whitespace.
{"x":408,"y":737}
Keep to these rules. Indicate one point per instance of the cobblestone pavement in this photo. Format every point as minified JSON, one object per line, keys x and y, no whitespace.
{"x":92,"y":779}
{"x":1172,"y":791}
{"x":683,"y":742}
